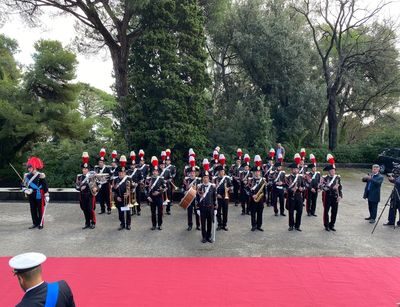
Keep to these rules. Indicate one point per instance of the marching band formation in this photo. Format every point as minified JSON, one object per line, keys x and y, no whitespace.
{"x":126,"y":183}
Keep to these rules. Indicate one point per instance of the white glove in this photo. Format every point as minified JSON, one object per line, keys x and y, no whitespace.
{"x":198,"y":212}
{"x":47,"y":198}
{"x":215,"y":212}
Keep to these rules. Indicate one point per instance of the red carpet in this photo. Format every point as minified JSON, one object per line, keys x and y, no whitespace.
{"x":219,"y":281}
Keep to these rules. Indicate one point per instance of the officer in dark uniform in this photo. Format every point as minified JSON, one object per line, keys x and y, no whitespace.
{"x":120,"y":187}
{"x":331,"y":196}
{"x":144,"y":169}
{"x":245,"y":178}
{"x":295,"y":187}
{"x":155,"y":190}
{"x":103,"y":197}
{"x":313,"y":179}
{"x":86,"y":199}
{"x":206,"y":204}
{"x":35,"y":187}
{"x":169,"y":176}
{"x":223,"y":185}
{"x":395,"y":199}
{"x":269,"y":171}
{"x":234,"y":172}
{"x":136,"y":178}
{"x":27,"y":267}
{"x":278,"y":192}
{"x":257,"y":187}
{"x":188,"y":183}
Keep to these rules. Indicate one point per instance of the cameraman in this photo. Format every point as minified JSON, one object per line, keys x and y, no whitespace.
{"x":395,"y":199}
{"x":372,"y":192}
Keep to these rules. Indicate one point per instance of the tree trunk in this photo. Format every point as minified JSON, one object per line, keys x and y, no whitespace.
{"x":332,"y":118}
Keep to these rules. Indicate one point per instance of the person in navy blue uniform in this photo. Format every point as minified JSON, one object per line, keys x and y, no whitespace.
{"x":372,"y":192}
{"x":245,"y":178}
{"x":155,"y":189}
{"x":136,"y":178}
{"x":295,"y":188}
{"x":103,"y":196}
{"x":27,"y":267}
{"x":223,"y":185}
{"x":257,"y":206}
{"x":206,"y":205}
{"x":332,"y":194}
{"x":86,"y":198}
{"x":36,"y":188}
{"x":121,"y":195}
{"x":312,"y":181}
{"x":278,"y":193}
{"x":188,"y":183}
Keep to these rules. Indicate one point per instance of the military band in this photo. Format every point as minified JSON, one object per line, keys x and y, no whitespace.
{"x":125,"y":184}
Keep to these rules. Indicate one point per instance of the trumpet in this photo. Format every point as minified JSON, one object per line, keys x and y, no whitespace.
{"x":112,"y":200}
{"x":127,"y":195}
{"x":226,"y":191}
{"x":133,"y":196}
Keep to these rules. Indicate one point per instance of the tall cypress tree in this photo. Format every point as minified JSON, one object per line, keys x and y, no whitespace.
{"x":168,"y":97}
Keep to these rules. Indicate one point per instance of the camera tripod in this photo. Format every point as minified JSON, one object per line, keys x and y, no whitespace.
{"x":393,"y":205}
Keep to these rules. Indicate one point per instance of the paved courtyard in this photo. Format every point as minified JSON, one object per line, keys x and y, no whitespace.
{"x":63,"y":236}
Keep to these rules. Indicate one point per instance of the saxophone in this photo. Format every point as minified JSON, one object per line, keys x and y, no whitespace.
{"x":260,"y":193}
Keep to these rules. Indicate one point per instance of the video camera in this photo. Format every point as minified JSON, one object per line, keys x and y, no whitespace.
{"x":396,"y":170}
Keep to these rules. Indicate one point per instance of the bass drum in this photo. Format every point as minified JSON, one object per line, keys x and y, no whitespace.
{"x":188,"y":198}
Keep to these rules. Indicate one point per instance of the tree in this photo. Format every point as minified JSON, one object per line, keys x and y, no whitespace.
{"x":348,"y":43}
{"x":271,"y":45}
{"x":168,"y":80}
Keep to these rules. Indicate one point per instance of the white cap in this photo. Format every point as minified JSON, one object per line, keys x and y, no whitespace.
{"x":27,"y":261}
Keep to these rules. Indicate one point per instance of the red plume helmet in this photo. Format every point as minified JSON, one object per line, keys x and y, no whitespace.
{"x":141,"y":153}
{"x":312,"y":159}
{"x":330,"y":159}
{"x":221,"y":159}
{"x":154,"y":162}
{"x":36,"y":163}
{"x":122,"y":161}
{"x":132,"y":155}
{"x":114,"y":154}
{"x":85,"y":157}
{"x":192,"y":161}
{"x":297,"y":159}
{"x":206,"y":165}
{"x":163,"y":155}
{"x":272,"y":153}
{"x":102,"y":153}
{"x":239,"y":153}
{"x":247,"y":158}
{"x":192,"y":153}
{"x":168,"y":152}
{"x":215,"y":155}
{"x":257,"y":160}
{"x":302,"y":153}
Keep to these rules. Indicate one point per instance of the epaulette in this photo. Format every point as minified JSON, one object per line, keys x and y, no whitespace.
{"x":42,"y":175}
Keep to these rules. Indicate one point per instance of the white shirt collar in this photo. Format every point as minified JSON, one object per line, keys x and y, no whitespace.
{"x":33,"y":287}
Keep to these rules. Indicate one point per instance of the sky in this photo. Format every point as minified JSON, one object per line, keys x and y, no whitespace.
{"x":95,"y":69}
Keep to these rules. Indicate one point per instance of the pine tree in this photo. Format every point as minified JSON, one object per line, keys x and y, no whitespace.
{"x":168,"y":80}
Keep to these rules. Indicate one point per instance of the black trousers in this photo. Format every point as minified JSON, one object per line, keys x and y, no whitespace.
{"x":278,"y":194}
{"x":295,"y":203}
{"x":222,"y":212}
{"x":156,"y":207}
{"x":206,"y":218}
{"x":124,"y":216}
{"x":256,"y":210}
{"x":330,"y":204}
{"x":311,"y":203}
{"x":373,"y":209}
{"x":190,"y":210}
{"x":269,"y":195}
{"x":236,"y":187}
{"x":244,"y":200}
{"x":103,"y":197}
{"x":87,"y":206}
{"x":36,"y":209}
